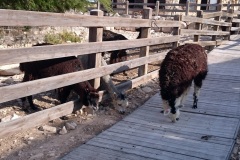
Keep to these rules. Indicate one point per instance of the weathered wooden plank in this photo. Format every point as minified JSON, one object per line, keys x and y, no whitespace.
{"x":138,"y":150}
{"x":212,"y":15}
{"x":111,"y":152}
{"x":203,"y":43}
{"x":131,"y":128}
{"x":210,"y":125}
{"x":202,"y":32}
{"x":36,"y":119}
{"x":31,"y":18}
{"x":165,"y":139}
{"x":9,"y":56}
{"x":15,"y":91}
{"x":205,"y":21}
{"x":201,"y":149}
{"x":137,"y":81}
{"x":86,"y":154}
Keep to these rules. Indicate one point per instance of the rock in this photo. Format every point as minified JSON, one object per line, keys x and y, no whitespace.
{"x":6,"y":119}
{"x":15,"y":116}
{"x":70,"y":125}
{"x":8,"y":81}
{"x":63,"y":131}
{"x":9,"y":70}
{"x":147,"y":89}
{"x":167,"y":30}
{"x":235,"y":150}
{"x":48,"y":128}
{"x":36,"y":156}
{"x":51,"y":154}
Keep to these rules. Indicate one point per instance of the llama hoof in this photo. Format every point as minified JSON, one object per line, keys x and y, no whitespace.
{"x":194,"y":106}
{"x":122,"y":112}
{"x":162,"y":111}
{"x":64,"y":118}
{"x":181,"y":106}
{"x":177,"y":119}
{"x":35,"y":109}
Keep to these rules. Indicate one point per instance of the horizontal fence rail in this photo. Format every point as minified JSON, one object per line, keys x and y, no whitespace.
{"x":9,"y":56}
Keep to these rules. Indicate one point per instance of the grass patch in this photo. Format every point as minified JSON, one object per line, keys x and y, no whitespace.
{"x":59,"y":38}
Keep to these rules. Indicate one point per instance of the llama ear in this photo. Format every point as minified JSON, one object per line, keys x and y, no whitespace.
{"x":166,"y":112}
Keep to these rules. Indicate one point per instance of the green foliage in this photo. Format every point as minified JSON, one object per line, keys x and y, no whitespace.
{"x":45,"y":5}
{"x":63,"y":37}
{"x":107,"y":5}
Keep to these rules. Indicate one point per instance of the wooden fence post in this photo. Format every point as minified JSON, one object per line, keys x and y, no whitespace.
{"x":216,"y":27}
{"x":157,"y":8}
{"x":145,"y":33}
{"x":187,"y":7}
{"x":145,"y":1}
{"x":127,"y":7}
{"x":198,"y":26}
{"x":95,"y":35}
{"x":176,"y":30}
{"x":228,"y":28}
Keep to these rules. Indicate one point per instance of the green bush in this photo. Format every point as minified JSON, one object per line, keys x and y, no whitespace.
{"x":58,"y":38}
{"x":58,"y":6}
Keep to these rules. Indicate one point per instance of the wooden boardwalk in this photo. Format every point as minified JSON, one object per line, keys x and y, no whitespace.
{"x":208,"y":132}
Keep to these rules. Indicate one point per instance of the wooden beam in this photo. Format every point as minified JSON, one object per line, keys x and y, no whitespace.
{"x":36,"y":119}
{"x":205,"y":21}
{"x":212,"y":15}
{"x":203,"y":43}
{"x":145,"y":33}
{"x":31,"y":18}
{"x":10,"y":56}
{"x":202,"y":32}
{"x":95,"y":35}
{"x":198,"y":26}
{"x":137,"y":81}
{"x":15,"y":91}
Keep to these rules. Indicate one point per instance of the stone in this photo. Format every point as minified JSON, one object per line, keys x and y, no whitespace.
{"x":147,"y":89}
{"x":36,"y":156}
{"x":9,"y":70}
{"x":70,"y":126}
{"x":48,"y":128}
{"x":63,"y":131}
{"x":6,"y":119}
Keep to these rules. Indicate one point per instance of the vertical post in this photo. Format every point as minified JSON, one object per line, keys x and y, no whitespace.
{"x":216,"y":27}
{"x":228,"y":6}
{"x":176,"y":30}
{"x":198,"y":26}
{"x":220,"y":6}
{"x":157,"y":8}
{"x":208,"y":3}
{"x":98,"y":5}
{"x":95,"y":35}
{"x":228,"y":28}
{"x":127,"y":7}
{"x":198,"y":7}
{"x":145,"y":1}
{"x":145,"y":33}
{"x":187,"y":7}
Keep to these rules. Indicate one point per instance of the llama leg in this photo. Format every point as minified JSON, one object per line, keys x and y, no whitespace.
{"x":197,"y":86}
{"x":30,"y":101}
{"x":185,"y":93}
{"x":63,"y":94}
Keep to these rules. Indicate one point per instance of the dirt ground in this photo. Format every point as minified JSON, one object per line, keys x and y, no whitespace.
{"x":37,"y":144}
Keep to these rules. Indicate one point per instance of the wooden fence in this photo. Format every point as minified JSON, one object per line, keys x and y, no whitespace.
{"x":95,"y":24}
{"x":173,"y":8}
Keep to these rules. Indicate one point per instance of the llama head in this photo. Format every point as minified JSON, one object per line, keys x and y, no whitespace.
{"x":93,"y":98}
{"x":121,"y":102}
{"x":172,"y":113}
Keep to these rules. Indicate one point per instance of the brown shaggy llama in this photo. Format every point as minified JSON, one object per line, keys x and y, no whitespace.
{"x":180,"y":67}
{"x":53,"y":67}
